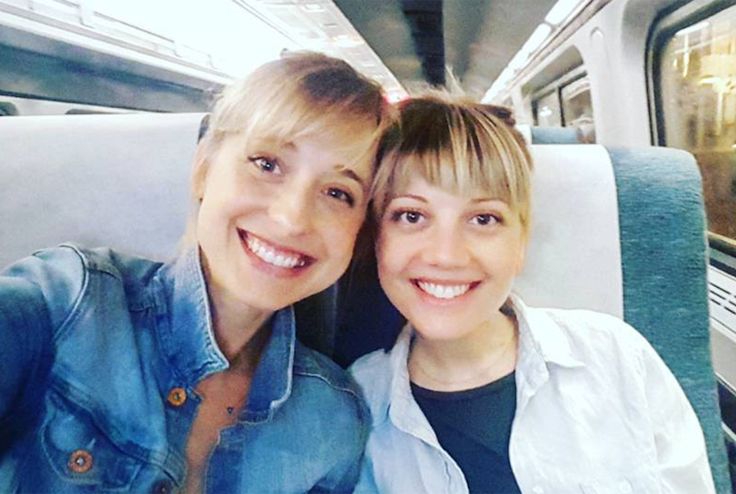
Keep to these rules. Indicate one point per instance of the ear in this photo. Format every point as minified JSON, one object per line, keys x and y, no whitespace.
{"x":200,"y":169}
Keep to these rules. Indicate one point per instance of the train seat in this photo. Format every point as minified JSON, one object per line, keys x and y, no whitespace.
{"x":115,"y":180}
{"x":550,"y":135}
{"x":617,"y":230}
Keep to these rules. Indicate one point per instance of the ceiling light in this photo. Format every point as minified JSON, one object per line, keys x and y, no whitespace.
{"x":536,"y":39}
{"x":312,"y":7}
{"x":560,"y":11}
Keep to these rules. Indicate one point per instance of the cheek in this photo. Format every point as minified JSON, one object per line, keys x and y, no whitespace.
{"x":389,"y":254}
{"x":340,"y":234}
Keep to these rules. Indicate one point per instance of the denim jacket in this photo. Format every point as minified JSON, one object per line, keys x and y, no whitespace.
{"x":100,"y":355}
{"x":597,"y":412}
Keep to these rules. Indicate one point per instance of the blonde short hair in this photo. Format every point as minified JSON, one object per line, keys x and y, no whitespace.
{"x":302,"y":93}
{"x":456,"y":144}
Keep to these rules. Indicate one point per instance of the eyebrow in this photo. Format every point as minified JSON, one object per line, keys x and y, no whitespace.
{"x":409,"y":196}
{"x":472,"y":201}
{"x":350,"y":173}
{"x":488,"y":199}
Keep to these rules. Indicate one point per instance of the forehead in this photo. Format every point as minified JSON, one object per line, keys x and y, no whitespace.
{"x":325,"y":153}
{"x":418,"y":187}
{"x":458,"y":175}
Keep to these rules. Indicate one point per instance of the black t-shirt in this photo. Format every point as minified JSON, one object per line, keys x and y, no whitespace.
{"x":474,"y":427}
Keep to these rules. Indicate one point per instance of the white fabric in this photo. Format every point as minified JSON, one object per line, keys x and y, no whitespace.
{"x":574,"y":255}
{"x":597,"y":412}
{"x":120,"y":181}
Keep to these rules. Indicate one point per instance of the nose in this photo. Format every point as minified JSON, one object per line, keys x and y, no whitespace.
{"x":445,"y":247}
{"x":291,"y":209}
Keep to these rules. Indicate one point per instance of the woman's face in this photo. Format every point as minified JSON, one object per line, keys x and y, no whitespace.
{"x":278,"y":221}
{"x":447,"y":262}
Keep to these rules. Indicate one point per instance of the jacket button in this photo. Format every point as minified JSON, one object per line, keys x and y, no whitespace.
{"x":177,"y":397}
{"x":80,"y":461}
{"x":162,"y":487}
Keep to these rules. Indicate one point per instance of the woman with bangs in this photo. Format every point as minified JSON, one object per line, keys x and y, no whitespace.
{"x":127,"y":375}
{"x":481,"y":393}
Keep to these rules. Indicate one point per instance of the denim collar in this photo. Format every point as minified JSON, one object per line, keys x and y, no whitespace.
{"x":189,"y":339}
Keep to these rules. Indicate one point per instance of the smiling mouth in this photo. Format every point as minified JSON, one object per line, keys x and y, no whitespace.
{"x":444,"y":291}
{"x":270,"y":254}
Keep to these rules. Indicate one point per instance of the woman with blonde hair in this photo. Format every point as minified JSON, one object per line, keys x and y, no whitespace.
{"x":481,"y":393}
{"x":127,"y":375}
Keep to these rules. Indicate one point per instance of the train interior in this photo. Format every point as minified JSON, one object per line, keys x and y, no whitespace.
{"x":630,"y":106}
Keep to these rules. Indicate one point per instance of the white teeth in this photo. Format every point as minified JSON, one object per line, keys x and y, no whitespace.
{"x":271,"y":255}
{"x":443,"y":291}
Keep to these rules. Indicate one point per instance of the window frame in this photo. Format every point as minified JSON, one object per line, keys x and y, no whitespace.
{"x":663,"y":29}
{"x":572,"y":75}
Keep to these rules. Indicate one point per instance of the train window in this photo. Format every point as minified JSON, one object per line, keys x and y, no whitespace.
{"x":567,"y":102}
{"x":697,"y":78}
{"x":577,"y":108}
{"x":547,"y":111}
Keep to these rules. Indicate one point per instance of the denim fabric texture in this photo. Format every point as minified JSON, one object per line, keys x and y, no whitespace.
{"x":93,"y":342}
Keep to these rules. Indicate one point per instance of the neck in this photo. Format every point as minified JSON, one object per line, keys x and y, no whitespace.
{"x":239,"y":328}
{"x":480,"y":357}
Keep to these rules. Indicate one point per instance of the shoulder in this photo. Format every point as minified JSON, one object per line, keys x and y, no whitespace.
{"x":72,"y":263}
{"x":589,"y":326}
{"x":55,"y":277}
{"x":327,"y":400}
{"x":373,"y":374}
{"x":319,"y":370}
{"x":371,"y":370}
{"x":592,"y":337}
{"x":60,"y":277}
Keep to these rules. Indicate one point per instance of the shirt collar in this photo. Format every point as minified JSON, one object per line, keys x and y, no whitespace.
{"x":541,"y":343}
{"x":272,"y":381}
{"x":189,"y":339}
{"x":541,"y":339}
{"x":403,"y":411}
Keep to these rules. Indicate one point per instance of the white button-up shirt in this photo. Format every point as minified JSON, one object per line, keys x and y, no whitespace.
{"x":597,"y":411}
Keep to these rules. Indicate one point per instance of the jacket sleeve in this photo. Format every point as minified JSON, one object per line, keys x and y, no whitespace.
{"x":366,"y":483}
{"x":37,"y":296}
{"x":25,"y":355}
{"x":344,"y":476}
{"x":678,"y":437}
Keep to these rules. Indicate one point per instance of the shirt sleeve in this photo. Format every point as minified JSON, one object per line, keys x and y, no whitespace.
{"x":678,"y":437}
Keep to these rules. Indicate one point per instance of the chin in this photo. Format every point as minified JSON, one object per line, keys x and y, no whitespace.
{"x":433,"y":332}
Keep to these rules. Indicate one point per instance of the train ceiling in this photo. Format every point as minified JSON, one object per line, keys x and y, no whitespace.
{"x":420,"y":40}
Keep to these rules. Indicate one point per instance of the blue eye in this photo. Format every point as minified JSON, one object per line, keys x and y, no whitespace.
{"x":341,"y":195}
{"x":485,"y":219}
{"x":265,"y":165}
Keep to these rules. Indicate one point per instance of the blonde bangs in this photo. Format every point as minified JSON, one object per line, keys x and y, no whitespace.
{"x":314,"y":96}
{"x":349,"y":135}
{"x":460,"y":149}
